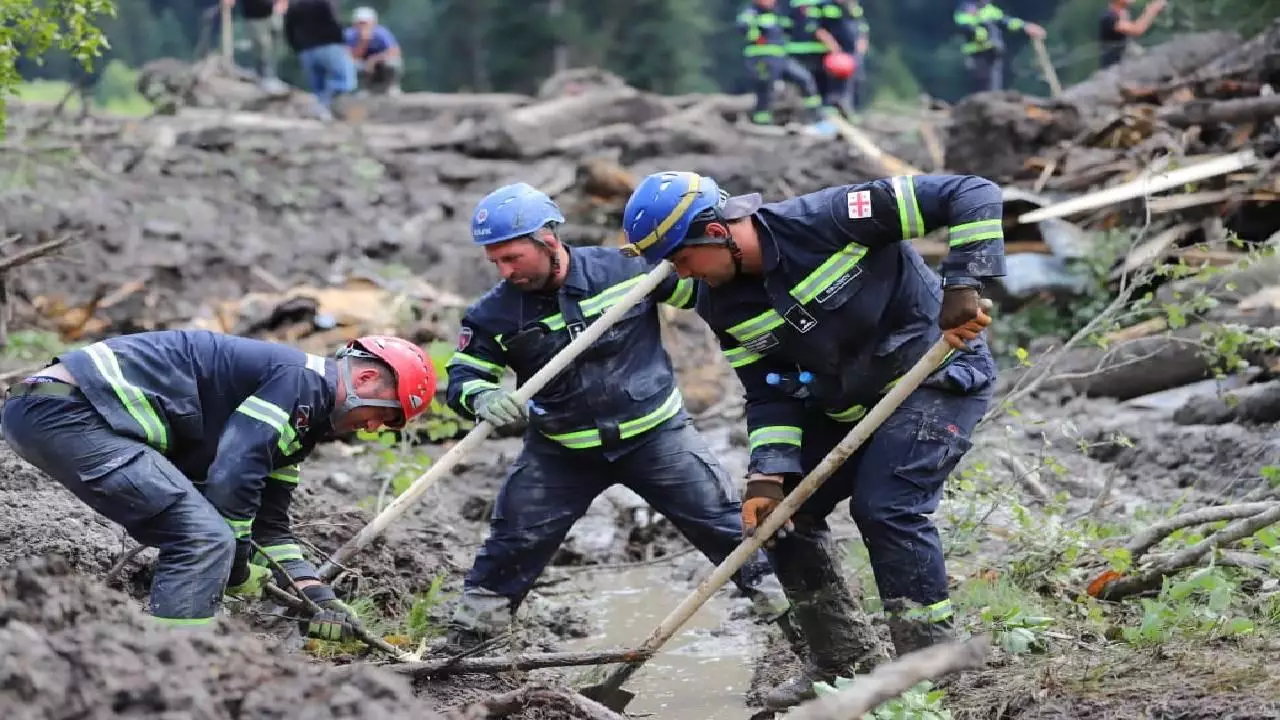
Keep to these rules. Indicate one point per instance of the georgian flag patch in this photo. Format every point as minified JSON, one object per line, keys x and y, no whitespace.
{"x":859,"y":204}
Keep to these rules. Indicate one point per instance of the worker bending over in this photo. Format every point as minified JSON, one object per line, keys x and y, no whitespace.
{"x":614,"y":416}
{"x":191,"y":440}
{"x":820,"y":306}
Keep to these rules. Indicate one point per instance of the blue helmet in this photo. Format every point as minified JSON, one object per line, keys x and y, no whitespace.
{"x":661,"y":209}
{"x":510,"y":212}
{"x":666,"y":205}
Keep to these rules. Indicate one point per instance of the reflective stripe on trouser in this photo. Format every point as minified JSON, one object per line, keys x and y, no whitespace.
{"x":549,"y":488}
{"x":133,"y":485}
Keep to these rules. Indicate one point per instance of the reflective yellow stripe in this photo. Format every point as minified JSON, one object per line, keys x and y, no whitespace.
{"x":855,"y":413}
{"x":181,"y":622}
{"x":775,"y":435}
{"x":240,"y":528}
{"x":904,"y":187}
{"x":461,"y":358}
{"x":674,"y":216}
{"x":475,"y":387}
{"x":134,"y":400}
{"x":682,"y":294}
{"x":748,"y":330}
{"x":290,"y":474}
{"x":279,"y":553}
{"x":596,"y":304}
{"x":275,"y":417}
{"x":741,"y":357}
{"x":835,"y":267}
{"x":582,"y":439}
{"x":976,"y":232}
{"x":937,"y":612}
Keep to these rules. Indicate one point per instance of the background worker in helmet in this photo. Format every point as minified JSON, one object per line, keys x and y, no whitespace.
{"x":815,"y":29}
{"x":819,"y":306}
{"x":765,"y":53}
{"x":614,"y":416}
{"x":982,"y":24}
{"x":191,"y":440}
{"x":856,"y":34}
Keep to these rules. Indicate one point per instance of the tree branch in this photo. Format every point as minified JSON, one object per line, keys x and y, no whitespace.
{"x":23,"y":257}
{"x":1149,"y":538}
{"x":889,"y":681}
{"x":508,"y":703}
{"x":1150,"y":579}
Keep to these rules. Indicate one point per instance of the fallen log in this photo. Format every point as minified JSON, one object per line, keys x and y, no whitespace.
{"x":1206,"y":112}
{"x":1144,"y":365}
{"x":531,"y":661}
{"x":534,"y":129}
{"x":1251,"y":404}
{"x":1161,"y":63}
{"x":889,"y":681}
{"x":569,"y":704}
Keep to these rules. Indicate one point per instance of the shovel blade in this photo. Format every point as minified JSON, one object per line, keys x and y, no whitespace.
{"x":616,"y":699}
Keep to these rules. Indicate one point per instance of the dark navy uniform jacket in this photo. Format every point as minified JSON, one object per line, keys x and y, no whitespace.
{"x":235,"y":415}
{"x":619,"y":388}
{"x":845,"y":300}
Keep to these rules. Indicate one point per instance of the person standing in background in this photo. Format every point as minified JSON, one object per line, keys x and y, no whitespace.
{"x":263,"y":22}
{"x":983,"y":25}
{"x":315,"y":34}
{"x":1115,"y":28}
{"x":857,"y":36}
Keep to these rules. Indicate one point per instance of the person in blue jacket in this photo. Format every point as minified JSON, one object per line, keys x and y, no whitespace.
{"x":820,"y":305}
{"x":615,"y":415}
{"x":192,"y":441}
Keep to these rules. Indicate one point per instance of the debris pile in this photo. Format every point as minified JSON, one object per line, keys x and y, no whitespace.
{"x":1184,"y":132}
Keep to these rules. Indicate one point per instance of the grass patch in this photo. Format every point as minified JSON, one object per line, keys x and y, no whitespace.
{"x":114,"y":94}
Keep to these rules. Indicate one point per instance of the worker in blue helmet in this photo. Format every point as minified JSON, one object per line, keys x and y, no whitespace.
{"x":614,"y":416}
{"x":819,"y":307}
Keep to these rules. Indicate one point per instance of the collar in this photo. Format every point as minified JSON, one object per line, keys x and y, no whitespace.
{"x":575,"y":279}
{"x":769,"y":254}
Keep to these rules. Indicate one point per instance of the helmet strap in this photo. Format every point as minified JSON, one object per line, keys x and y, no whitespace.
{"x":351,"y":400}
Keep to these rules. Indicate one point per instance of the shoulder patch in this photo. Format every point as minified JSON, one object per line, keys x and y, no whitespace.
{"x":302,"y":418}
{"x":859,"y":202}
{"x":464,"y":338}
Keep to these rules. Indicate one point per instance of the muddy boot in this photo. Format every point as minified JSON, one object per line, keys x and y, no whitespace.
{"x":768,"y":600}
{"x":480,"y":616}
{"x":839,"y":641}
{"x":913,"y":628}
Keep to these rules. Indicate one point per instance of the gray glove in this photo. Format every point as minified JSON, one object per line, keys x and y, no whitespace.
{"x":499,"y":408}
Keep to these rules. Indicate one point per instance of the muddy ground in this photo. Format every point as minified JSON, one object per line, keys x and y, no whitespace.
{"x":190,"y":207}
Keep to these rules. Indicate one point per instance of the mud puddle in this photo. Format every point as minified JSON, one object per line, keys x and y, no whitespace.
{"x":702,"y":672}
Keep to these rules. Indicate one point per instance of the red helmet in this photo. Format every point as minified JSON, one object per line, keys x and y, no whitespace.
{"x":839,"y":65}
{"x":415,"y":374}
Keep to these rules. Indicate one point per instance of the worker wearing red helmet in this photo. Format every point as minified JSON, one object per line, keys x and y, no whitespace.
{"x":816,"y":28}
{"x":191,"y":441}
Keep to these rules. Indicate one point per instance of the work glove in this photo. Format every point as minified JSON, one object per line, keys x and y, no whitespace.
{"x":499,"y":408}
{"x":962,"y":317}
{"x":335,"y":622}
{"x":764,"y":492}
{"x":247,"y":581}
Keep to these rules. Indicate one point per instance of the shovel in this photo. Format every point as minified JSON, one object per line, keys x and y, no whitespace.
{"x":610,"y":692}
{"x":554,"y":367}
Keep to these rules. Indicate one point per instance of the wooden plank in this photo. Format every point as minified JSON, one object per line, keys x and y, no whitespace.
{"x":864,"y":145}
{"x":1144,"y":186}
{"x":1173,"y":203}
{"x":1152,"y":249}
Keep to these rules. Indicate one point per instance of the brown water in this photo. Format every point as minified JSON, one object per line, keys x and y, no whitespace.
{"x":702,"y":673}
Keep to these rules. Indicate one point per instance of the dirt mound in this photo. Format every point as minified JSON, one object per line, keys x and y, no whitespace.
{"x":40,"y":517}
{"x":71,"y":648}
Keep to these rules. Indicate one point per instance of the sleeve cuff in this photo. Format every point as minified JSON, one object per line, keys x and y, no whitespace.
{"x":770,"y":461}
{"x":962,"y":281}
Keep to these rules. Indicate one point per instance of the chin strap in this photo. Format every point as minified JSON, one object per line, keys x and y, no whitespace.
{"x":350,"y":400}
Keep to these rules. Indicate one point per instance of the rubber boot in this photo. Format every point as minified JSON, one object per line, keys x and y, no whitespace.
{"x":479,"y":616}
{"x":838,"y":640}
{"x":910,"y":634}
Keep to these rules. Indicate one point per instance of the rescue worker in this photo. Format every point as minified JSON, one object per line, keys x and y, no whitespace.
{"x":614,"y":416}
{"x":820,"y":304}
{"x":815,"y":27}
{"x":983,"y":25}
{"x":856,"y":34}
{"x":765,"y":53}
{"x":1115,"y":28}
{"x":191,"y":440}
